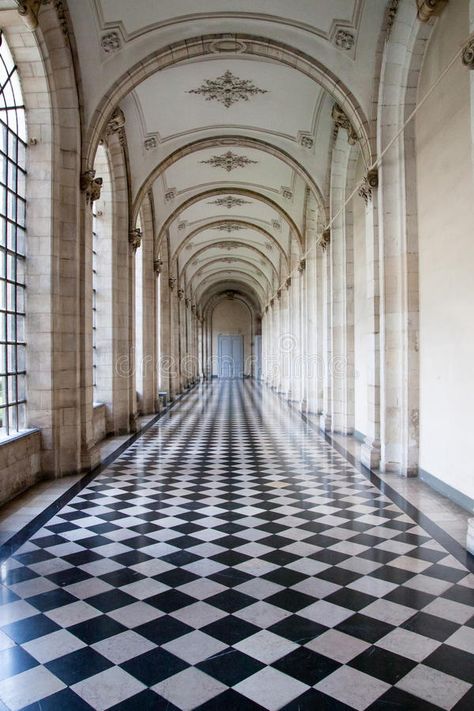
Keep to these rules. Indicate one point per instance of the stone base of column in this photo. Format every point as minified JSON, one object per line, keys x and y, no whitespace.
{"x":370,"y":453}
{"x":325,"y":422}
{"x":470,"y":536}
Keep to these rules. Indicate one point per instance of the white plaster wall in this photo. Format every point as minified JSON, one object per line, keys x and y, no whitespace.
{"x":361,"y":314}
{"x":231,"y":318}
{"x":446,"y":247}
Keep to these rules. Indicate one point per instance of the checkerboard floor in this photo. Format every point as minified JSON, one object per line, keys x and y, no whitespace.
{"x":232,"y":559}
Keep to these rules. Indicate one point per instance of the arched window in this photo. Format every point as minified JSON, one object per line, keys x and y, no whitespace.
{"x":12,"y":247}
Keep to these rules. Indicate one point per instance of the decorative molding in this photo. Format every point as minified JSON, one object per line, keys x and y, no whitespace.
{"x":286,"y":192}
{"x":110,"y":42}
{"x":91,"y":186}
{"x":228,"y":245}
{"x":157,"y":266}
{"x":227,"y":89}
{"x":135,"y":238}
{"x":230,"y":295}
{"x":302,"y":266}
{"x":370,"y":183}
{"x":228,"y":45}
{"x":171,"y":282}
{"x":229,"y":202}
{"x":430,"y":8}
{"x":229,"y":227}
{"x":229,"y":260}
{"x":305,"y":139}
{"x":150,"y":143}
{"x":341,"y":121}
{"x":229,"y":161}
{"x":170,"y":194}
{"x":325,"y":239}
{"x":276,"y":224}
{"x":344,"y":39}
{"x":468,"y":55}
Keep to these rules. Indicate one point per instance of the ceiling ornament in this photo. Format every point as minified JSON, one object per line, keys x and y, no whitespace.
{"x":170,"y":194}
{"x":229,"y":227}
{"x":305,"y":139}
{"x":190,"y":246}
{"x":229,"y":260}
{"x":182,"y":225}
{"x":228,"y":245}
{"x":287,"y":193}
{"x":229,"y":161}
{"x":269,"y":246}
{"x":227,"y":89}
{"x":228,"y":45}
{"x":110,"y":42}
{"x":344,"y":39}
{"x":150,"y":143}
{"x":276,"y":224}
{"x":229,"y":201}
{"x":341,"y":121}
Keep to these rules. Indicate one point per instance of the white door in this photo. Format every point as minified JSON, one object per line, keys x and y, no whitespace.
{"x":231,"y":356}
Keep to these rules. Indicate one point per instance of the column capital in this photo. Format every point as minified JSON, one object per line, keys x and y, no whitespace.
{"x":302,"y":266}
{"x":288,"y":282}
{"x":157,"y":266}
{"x":370,"y":183}
{"x":468,"y":55}
{"x":180,"y":294}
{"x":186,"y":302}
{"x":116,"y":124}
{"x":172,"y":282}
{"x":430,"y":8}
{"x":278,"y":294}
{"x":341,"y":121}
{"x":325,"y":239}
{"x":135,"y":238}
{"x":90,"y":186}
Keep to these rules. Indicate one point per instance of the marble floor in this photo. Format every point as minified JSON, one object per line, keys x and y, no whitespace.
{"x":232,"y":558}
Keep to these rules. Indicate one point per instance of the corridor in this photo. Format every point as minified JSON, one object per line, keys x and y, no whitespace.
{"x":232,"y":559}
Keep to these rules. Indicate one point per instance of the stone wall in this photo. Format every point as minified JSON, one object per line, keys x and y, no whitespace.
{"x":20,"y":464}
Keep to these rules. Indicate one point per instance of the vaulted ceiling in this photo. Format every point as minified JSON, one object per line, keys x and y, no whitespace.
{"x":228,"y":109}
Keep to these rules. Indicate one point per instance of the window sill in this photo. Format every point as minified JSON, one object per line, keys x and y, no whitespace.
{"x":8,"y":439}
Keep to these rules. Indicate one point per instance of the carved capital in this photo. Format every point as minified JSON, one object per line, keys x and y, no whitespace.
{"x":370,"y":183}
{"x":272,"y":301}
{"x":157,"y":266}
{"x":430,"y":8}
{"x":288,"y":282}
{"x":186,"y":302}
{"x":116,"y":122}
{"x":278,"y":294}
{"x":171,"y":282}
{"x":468,"y":55}
{"x":325,"y":239}
{"x":135,"y":238}
{"x":194,"y":309}
{"x":341,"y":121}
{"x":28,"y":9}
{"x":302,"y":266}
{"x":180,"y":294}
{"x":90,"y":186}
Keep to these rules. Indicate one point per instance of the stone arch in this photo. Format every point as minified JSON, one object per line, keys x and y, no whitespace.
{"x":202,"y":46}
{"x":225,"y":141}
{"x":245,"y":192}
{"x":244,"y":223}
{"x":247,"y":246}
{"x":240,"y":260}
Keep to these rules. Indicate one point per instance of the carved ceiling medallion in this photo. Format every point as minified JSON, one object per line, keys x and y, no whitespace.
{"x":227,"y":89}
{"x":229,"y":161}
{"x":229,"y":227}
{"x":229,"y":201}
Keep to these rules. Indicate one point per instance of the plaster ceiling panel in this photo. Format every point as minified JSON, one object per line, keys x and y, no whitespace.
{"x":206,"y":244}
{"x":232,"y":166}
{"x":207,"y":210}
{"x":168,"y":109}
{"x":141,"y":14}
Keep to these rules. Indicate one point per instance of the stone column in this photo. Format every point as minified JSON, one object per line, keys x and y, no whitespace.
{"x":150,"y":274}
{"x":326,"y":339}
{"x":370,"y":449}
{"x":341,"y":266}
{"x":310,"y":323}
{"x":284,"y":339}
